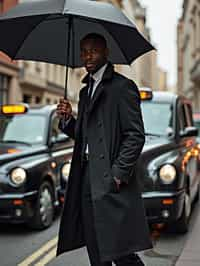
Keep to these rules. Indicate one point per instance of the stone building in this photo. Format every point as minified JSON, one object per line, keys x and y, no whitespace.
{"x":9,"y":70}
{"x":144,"y":70}
{"x":189,"y":52}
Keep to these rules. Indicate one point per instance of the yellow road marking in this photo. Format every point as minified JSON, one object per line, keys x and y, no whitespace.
{"x":39,"y":252}
{"x":48,"y":257}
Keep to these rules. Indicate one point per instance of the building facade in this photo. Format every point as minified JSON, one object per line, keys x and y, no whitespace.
{"x":143,"y":70}
{"x":9,"y":70}
{"x":189,"y":52}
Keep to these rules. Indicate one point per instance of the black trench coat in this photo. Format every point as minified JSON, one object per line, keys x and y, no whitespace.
{"x":115,"y":139}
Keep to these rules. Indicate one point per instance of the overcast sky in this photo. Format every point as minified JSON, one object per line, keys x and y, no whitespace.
{"x":162,"y":17}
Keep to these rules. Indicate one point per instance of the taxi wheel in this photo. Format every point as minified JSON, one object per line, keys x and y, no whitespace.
{"x":182,"y":225}
{"x":44,"y":211}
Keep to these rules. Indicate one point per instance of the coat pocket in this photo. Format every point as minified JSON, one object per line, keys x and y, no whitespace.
{"x":110,"y":184}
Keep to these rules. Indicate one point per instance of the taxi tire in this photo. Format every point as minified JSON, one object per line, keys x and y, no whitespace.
{"x":36,"y":221}
{"x":182,"y":224}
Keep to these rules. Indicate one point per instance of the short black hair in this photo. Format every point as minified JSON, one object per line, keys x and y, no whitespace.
{"x":95,"y":36}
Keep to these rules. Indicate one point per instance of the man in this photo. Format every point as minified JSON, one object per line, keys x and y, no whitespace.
{"x":103,"y":207}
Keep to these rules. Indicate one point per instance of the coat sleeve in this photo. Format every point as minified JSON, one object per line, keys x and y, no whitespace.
{"x":132,"y":131}
{"x":68,"y":127}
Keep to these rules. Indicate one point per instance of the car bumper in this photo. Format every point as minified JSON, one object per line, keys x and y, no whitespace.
{"x":163,"y":207}
{"x":17,"y":208}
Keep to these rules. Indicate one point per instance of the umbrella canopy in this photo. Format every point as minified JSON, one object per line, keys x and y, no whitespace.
{"x":50,"y":31}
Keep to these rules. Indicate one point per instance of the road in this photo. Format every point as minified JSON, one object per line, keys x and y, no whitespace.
{"x":19,"y":246}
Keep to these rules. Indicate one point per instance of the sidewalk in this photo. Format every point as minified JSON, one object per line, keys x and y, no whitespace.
{"x":191,"y":252}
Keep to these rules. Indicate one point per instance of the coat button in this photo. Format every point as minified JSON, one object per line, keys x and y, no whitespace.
{"x":99,"y":124}
{"x":101,"y":156}
{"x":105,"y":174}
{"x":100,"y":139}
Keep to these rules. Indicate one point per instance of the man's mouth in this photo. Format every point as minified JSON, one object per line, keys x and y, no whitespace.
{"x":89,"y":64}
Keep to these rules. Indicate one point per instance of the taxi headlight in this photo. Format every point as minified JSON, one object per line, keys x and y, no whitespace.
{"x":18,"y":176}
{"x":65,"y":171}
{"x":167,"y":173}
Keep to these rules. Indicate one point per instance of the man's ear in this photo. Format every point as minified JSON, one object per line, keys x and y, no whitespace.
{"x":107,"y":52}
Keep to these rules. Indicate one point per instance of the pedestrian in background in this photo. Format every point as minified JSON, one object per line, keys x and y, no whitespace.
{"x":103,"y":206}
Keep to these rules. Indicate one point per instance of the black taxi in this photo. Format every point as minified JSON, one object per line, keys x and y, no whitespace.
{"x":34,"y":162}
{"x":168,"y":169}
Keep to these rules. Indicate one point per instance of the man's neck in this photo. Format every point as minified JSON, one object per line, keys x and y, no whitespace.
{"x":102,"y":65}
{"x":99,"y":74}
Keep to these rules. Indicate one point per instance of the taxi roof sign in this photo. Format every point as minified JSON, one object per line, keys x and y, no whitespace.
{"x":145,"y":94}
{"x":14,"y":109}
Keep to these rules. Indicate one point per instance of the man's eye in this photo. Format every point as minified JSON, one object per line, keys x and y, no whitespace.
{"x":92,"y":51}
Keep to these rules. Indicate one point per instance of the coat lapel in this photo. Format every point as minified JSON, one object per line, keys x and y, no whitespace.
{"x":98,"y":92}
{"x":101,"y":87}
{"x":81,"y":110}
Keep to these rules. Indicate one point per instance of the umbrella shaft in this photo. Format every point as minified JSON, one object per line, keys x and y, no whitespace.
{"x":68,"y":51}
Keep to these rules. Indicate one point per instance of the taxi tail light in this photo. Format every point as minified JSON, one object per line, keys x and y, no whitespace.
{"x":62,"y":199}
{"x":13,"y":150}
{"x":156,"y":230}
{"x":168,"y":201}
{"x":146,"y":95}
{"x":18,"y":202}
{"x":158,"y":226}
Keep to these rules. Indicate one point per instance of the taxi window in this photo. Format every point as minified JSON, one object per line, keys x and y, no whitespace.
{"x":56,"y":134}
{"x":29,"y":129}
{"x":182,"y":117}
{"x":188,"y":111}
{"x":157,"y":117}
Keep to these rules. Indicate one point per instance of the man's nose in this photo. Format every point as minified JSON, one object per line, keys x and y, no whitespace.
{"x":88,"y":55}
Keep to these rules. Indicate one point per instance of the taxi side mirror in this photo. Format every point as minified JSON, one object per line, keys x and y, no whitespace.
{"x":189,"y":132}
{"x":61,"y":138}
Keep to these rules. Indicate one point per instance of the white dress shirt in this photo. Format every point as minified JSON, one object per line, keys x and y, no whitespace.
{"x":98,"y":77}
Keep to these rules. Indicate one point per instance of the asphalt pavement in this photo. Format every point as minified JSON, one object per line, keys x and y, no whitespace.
{"x":190,"y":255}
{"x":169,"y":249}
{"x":38,"y":248}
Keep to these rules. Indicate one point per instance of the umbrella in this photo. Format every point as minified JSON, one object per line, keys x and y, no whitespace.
{"x":50,"y":31}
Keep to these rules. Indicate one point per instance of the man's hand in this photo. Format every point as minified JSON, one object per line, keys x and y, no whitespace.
{"x":64,"y":109}
{"x":119,"y":182}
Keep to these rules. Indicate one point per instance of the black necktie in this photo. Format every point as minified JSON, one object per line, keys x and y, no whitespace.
{"x":90,"y":89}
{"x":85,"y":116}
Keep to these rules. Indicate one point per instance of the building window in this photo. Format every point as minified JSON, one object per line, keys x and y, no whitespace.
{"x":4,"y":85}
{"x":27,"y":98}
{"x":48,"y":101}
{"x":37,"y":99}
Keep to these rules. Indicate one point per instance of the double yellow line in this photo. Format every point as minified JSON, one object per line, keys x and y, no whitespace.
{"x":43,"y":255}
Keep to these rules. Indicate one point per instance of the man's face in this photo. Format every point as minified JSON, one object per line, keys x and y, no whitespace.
{"x":93,"y":54}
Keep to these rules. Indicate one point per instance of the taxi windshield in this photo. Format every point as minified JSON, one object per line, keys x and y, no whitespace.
{"x":157,"y":118}
{"x":22,"y":129}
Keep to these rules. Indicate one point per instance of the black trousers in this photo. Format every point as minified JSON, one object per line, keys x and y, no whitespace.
{"x":89,"y":231}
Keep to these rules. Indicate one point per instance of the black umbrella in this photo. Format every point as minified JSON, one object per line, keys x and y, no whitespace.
{"x":51,"y":30}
